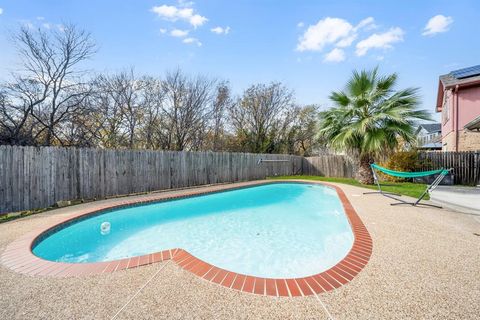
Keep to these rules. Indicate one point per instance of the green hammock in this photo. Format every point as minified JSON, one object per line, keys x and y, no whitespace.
{"x":401,"y":174}
{"x":441,"y":174}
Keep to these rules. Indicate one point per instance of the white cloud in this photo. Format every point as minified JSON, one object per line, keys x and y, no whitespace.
{"x":326,"y":31}
{"x":437,"y":24}
{"x":192,"y":41}
{"x":346,"y":42}
{"x":197,"y":20}
{"x":332,"y":31}
{"x":379,"y":41}
{"x":367,"y":23}
{"x":168,"y":12}
{"x":179,"y":33}
{"x":1,"y":11}
{"x":336,"y":55}
{"x":163,"y":31}
{"x":172,"y":13}
{"x":220,"y":30}
{"x":300,"y":24}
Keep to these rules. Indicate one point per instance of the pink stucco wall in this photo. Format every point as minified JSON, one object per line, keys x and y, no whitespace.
{"x":468,"y":109}
{"x":469,"y":103}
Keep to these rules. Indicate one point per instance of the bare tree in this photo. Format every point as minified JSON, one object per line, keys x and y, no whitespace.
{"x":50,"y":80}
{"x":16,"y":102}
{"x":186,"y":110}
{"x":260,"y":117}
{"x":152,"y":125}
{"x":108,"y":122}
{"x":129,"y":111}
{"x":79,"y":129}
{"x":217,"y":135}
{"x":125,"y":90}
{"x":50,"y":102}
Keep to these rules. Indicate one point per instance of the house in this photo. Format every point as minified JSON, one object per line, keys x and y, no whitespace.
{"x":458,"y":100}
{"x":429,"y":136}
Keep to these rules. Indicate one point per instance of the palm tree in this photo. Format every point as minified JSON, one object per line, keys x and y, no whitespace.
{"x":370,"y":118}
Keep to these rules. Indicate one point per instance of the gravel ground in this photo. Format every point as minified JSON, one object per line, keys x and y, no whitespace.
{"x":425,"y":265}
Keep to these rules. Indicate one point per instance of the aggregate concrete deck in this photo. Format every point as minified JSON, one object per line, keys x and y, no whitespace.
{"x":425,"y":264}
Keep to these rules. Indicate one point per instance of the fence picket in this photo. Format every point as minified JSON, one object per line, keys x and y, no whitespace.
{"x":36,"y":177}
{"x":465,"y":164}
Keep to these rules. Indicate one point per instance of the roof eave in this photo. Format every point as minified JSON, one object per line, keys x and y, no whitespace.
{"x":442,"y":88}
{"x":474,"y":124}
{"x":463,"y":85}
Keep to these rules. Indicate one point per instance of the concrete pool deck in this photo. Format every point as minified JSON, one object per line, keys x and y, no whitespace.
{"x":424,"y":264}
{"x":18,"y":255}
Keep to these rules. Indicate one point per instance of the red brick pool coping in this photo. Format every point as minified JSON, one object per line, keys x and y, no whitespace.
{"x":18,"y":255}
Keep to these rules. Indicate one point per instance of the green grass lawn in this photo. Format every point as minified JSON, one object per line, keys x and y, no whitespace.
{"x":404,"y":188}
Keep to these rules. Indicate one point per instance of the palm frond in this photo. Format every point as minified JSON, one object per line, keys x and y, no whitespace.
{"x":369,"y":115}
{"x":340,"y":98}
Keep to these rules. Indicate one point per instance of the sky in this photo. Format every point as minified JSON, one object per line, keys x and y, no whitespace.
{"x":310,"y":46}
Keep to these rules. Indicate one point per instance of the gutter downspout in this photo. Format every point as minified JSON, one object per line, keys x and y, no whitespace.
{"x":456,"y":118}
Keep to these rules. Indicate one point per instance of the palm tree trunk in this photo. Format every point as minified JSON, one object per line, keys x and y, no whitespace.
{"x":364,"y":173}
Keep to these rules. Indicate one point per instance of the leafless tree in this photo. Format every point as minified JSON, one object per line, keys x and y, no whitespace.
{"x":152,"y":126}
{"x":186,"y":110}
{"x":50,"y":83}
{"x":51,"y":101}
{"x":108,"y":122}
{"x":260,"y":117}
{"x":217,"y":135}
{"x":125,"y":90}
{"x":16,"y":102}
{"x":79,"y":129}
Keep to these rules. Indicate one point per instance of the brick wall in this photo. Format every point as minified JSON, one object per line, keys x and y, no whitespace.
{"x":469,"y":140}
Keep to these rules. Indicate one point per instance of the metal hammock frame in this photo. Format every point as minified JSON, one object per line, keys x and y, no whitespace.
{"x":441,"y":174}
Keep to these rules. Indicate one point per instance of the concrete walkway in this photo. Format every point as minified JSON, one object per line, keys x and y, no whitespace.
{"x":458,"y":198}
{"x":424,"y":265}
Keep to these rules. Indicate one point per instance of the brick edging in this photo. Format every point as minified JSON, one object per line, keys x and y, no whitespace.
{"x":18,"y":255}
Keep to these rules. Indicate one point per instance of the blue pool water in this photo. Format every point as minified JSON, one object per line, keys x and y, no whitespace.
{"x":280,"y":230}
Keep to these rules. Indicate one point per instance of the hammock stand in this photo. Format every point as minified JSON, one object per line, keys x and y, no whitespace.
{"x":441,"y":174}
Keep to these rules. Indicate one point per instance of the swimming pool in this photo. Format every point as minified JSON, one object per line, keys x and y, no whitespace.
{"x":278,"y":230}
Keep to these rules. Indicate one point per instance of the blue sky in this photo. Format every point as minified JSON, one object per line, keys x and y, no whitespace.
{"x":311,"y":46}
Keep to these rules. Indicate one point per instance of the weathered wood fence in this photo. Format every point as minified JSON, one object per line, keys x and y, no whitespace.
{"x":466,"y":165}
{"x":32,"y":177}
{"x":328,"y":166}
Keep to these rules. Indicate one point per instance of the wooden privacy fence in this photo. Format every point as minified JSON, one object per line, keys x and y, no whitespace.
{"x":328,"y":166}
{"x":466,"y":164}
{"x":37,"y":177}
